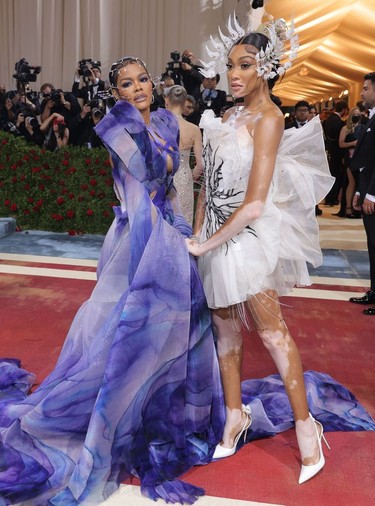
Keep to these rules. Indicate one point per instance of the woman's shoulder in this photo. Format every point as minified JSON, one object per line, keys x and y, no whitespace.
{"x":189,"y":127}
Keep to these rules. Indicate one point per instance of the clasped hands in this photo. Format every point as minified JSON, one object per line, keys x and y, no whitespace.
{"x":193,"y":246}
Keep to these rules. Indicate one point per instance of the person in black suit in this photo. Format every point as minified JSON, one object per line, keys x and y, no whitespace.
{"x":190,"y":73}
{"x":332,"y":127}
{"x":87,"y":87}
{"x":211,"y":98}
{"x":363,"y":161}
{"x":301,"y":111}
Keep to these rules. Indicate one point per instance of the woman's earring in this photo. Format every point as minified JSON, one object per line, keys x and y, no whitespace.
{"x":152,"y":99}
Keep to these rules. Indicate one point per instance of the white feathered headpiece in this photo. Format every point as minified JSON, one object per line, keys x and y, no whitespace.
{"x":275,"y":59}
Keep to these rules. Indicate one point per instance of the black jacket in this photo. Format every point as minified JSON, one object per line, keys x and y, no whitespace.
{"x":363,"y":160}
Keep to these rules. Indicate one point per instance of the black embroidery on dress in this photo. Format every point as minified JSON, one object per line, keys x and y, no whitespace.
{"x":217,"y":213}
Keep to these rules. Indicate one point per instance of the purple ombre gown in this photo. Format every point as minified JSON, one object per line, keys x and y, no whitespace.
{"x":136,"y":389}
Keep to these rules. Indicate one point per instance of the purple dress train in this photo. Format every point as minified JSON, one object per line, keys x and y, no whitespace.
{"x":136,"y":389}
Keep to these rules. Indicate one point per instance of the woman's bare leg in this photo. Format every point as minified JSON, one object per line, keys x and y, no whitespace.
{"x":229,"y":346}
{"x":350,"y":190}
{"x":266,"y":314}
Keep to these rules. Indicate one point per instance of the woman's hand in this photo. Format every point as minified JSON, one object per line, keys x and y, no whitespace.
{"x":194,"y":247}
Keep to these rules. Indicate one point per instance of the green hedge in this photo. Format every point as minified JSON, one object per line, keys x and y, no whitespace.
{"x":70,"y":190}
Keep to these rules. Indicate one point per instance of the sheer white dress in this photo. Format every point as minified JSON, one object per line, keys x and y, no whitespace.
{"x":271,"y":253}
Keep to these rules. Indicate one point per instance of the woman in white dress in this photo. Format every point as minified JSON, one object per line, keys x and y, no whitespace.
{"x":256,"y":228}
{"x":190,"y":143}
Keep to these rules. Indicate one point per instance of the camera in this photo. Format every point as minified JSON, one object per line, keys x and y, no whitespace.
{"x":174,"y":67}
{"x":96,"y":113}
{"x":55,"y":96}
{"x":85,"y":66}
{"x":97,"y":107}
{"x":25,"y":73}
{"x":175,"y":64}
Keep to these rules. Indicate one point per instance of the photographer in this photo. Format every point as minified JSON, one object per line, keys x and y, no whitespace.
{"x":56,"y":132}
{"x":211,"y":98}
{"x":28,"y":127}
{"x":56,"y":101}
{"x":28,"y":99}
{"x":185,"y":71}
{"x":87,"y":80}
{"x":82,"y":127}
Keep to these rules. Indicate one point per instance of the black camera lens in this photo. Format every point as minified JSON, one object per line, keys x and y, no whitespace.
{"x":175,"y":56}
{"x":55,"y":96}
{"x":97,"y":113}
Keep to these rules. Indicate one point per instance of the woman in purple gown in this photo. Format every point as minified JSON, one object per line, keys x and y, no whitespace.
{"x":136,"y":389}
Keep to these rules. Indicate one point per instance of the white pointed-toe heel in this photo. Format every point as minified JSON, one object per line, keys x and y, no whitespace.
{"x":308,"y":472}
{"x":220,"y":451}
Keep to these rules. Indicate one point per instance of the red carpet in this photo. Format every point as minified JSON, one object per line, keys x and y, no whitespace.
{"x":333,"y":337}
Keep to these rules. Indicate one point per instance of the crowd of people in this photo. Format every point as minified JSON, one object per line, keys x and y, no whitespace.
{"x":148,"y":382}
{"x":53,"y":118}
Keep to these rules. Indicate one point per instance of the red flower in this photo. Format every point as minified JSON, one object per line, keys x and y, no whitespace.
{"x":71,"y":196}
{"x":60,"y":200}
{"x":35,"y":170}
{"x":13,"y":166}
{"x":87,"y":161}
{"x":70,"y":213}
{"x":26,"y":187}
{"x":65,"y":162}
{"x":89,"y":212}
{"x":14,"y":179}
{"x":26,"y":157}
{"x":106,"y":213}
{"x":26,"y":211}
{"x":39,"y":202}
{"x":84,"y":186}
{"x":23,"y":177}
{"x":30,"y":200}
{"x":4,"y":142}
{"x":92,"y":193}
{"x":41,"y":187}
{"x":93,"y":182}
{"x":103,"y":172}
{"x":13,"y":207}
{"x":72,"y":170}
{"x":7,"y":202}
{"x":57,"y":217}
{"x":107,"y":162}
